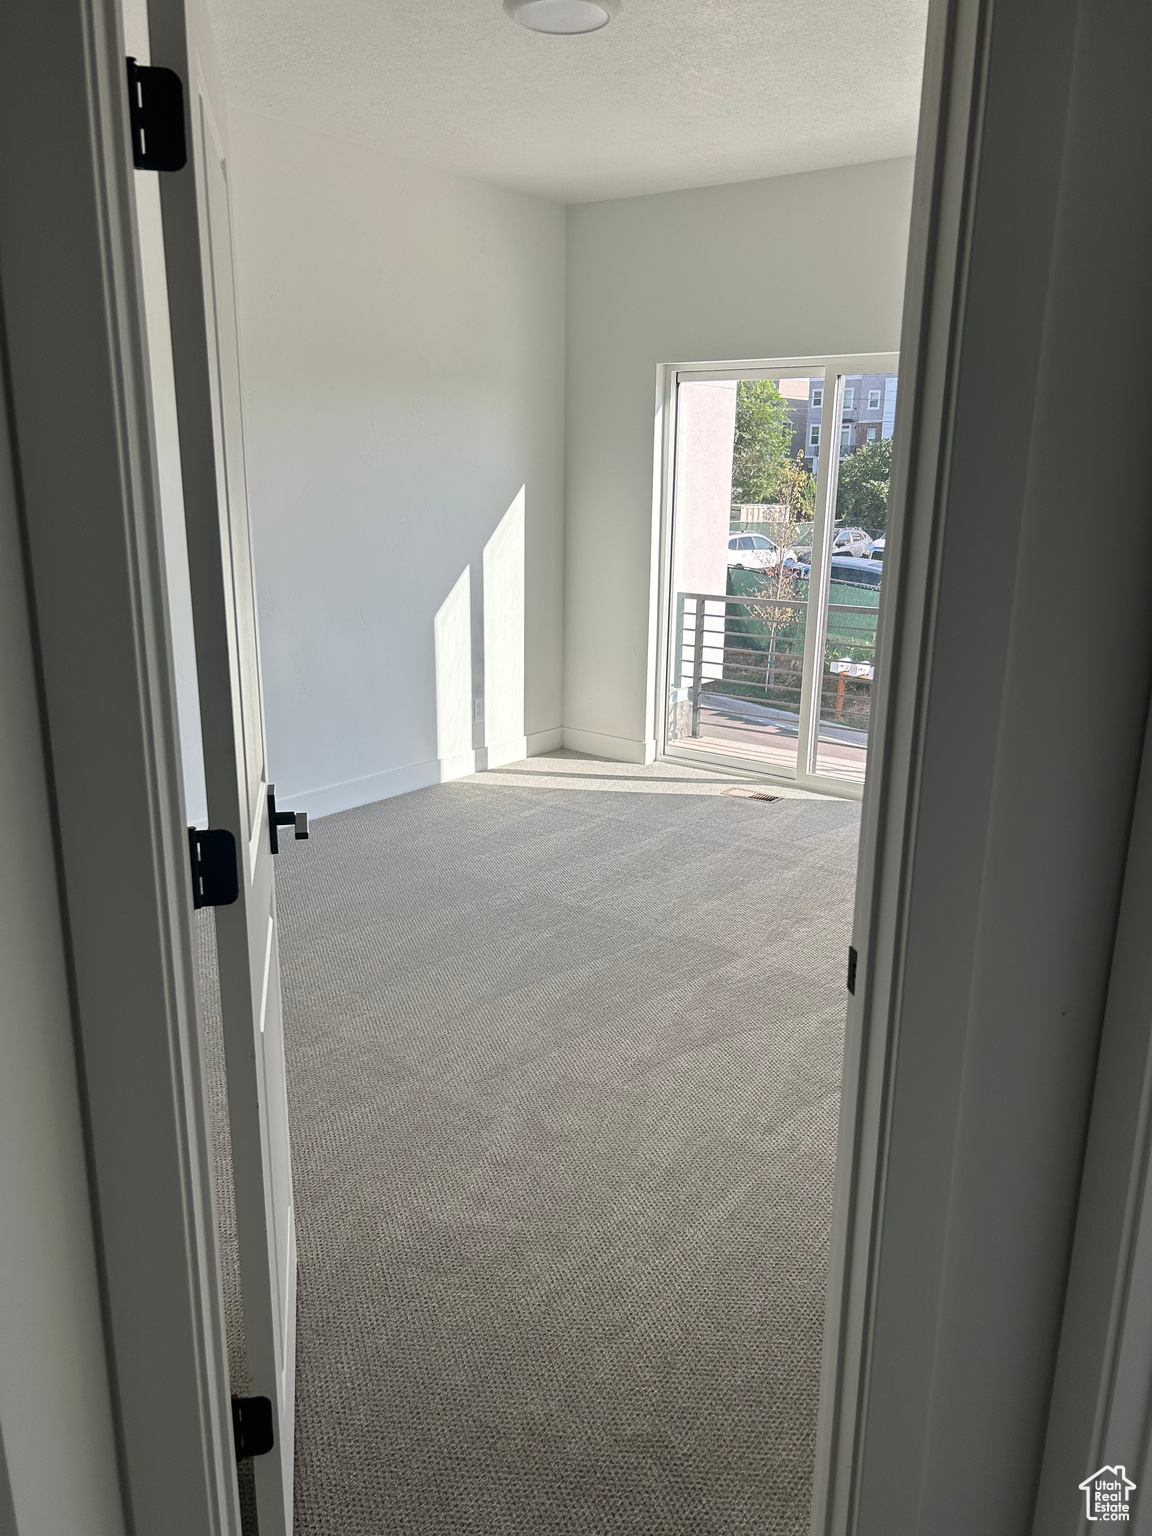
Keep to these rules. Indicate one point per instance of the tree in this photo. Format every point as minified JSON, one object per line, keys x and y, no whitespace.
{"x":796,"y":490}
{"x":763,"y":440}
{"x":862,"y":491}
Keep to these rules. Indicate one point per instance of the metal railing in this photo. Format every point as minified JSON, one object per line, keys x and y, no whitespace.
{"x":752,"y":648}
{"x":747,"y":647}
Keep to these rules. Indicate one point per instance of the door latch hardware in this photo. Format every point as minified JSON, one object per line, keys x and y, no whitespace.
{"x":851,"y":970}
{"x":252,"y":1426}
{"x":297,"y":819}
{"x":215,"y":874}
{"x":156,"y":118}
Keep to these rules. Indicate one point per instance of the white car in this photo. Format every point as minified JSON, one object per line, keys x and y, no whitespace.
{"x":752,"y":552}
{"x":846,"y":541}
{"x":876,"y":549}
{"x":850,"y":541}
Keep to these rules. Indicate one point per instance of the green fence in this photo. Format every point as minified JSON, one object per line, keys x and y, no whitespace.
{"x":764,"y":642}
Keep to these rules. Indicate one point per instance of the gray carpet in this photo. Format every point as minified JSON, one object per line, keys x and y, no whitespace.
{"x":563,"y":1070}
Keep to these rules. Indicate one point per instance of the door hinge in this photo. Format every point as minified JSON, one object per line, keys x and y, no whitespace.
{"x":215,"y":873}
{"x":297,"y":819}
{"x":156,"y":118}
{"x":852,"y":970}
{"x":252,"y":1426}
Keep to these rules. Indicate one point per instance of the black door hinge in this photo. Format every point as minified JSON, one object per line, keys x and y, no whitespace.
{"x":852,"y":970}
{"x":297,"y":819}
{"x":215,"y":873}
{"x":156,"y":118}
{"x":252,"y":1426}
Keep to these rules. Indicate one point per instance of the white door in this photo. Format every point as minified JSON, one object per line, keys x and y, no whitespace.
{"x":199,"y":263}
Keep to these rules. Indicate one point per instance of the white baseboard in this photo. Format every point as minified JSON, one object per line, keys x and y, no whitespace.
{"x":540,"y":742}
{"x":617,"y":749}
{"x":346,"y":796}
{"x":330,"y":798}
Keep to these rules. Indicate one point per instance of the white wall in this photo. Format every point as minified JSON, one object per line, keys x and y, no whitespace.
{"x":705,"y":438}
{"x":793,"y":266}
{"x":55,"y":1414}
{"x":402,"y":335}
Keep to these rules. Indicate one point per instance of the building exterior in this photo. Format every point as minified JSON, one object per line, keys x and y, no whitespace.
{"x":868,"y":415}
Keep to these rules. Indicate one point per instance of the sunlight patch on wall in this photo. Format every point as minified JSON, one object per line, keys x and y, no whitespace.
{"x":453,"y":641}
{"x":504,"y":637}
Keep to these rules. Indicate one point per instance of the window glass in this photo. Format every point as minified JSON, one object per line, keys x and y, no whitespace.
{"x":760,"y":542}
{"x":849,"y":397}
{"x":733,"y":543}
{"x":746,"y":541}
{"x":845,"y":437}
{"x":814,"y":437}
{"x":817,"y":397}
{"x":873,"y":399}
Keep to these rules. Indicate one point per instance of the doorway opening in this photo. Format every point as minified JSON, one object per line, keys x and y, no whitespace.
{"x":564,"y":1045}
{"x":774,"y":510}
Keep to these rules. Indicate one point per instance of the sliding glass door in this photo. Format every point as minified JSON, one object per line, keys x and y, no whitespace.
{"x":776,"y":539}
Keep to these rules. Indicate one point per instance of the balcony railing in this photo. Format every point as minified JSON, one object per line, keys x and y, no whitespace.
{"x":738,"y":672}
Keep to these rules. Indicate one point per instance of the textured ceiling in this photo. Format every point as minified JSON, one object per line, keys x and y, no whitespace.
{"x":674,"y":93}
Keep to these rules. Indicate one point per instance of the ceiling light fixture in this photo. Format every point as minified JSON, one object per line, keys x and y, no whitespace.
{"x":563,"y":18}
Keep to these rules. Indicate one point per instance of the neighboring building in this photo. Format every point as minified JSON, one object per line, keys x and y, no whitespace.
{"x":797,"y":394}
{"x":869,"y":414}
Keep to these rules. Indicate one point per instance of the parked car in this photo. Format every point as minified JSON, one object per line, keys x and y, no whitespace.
{"x":850,"y":541}
{"x":857,"y":571}
{"x":848,"y":570}
{"x":846,"y":541}
{"x":752,"y":552}
{"x":876,"y":549}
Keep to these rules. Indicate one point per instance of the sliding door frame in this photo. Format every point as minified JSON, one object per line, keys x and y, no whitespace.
{"x":833,"y":370}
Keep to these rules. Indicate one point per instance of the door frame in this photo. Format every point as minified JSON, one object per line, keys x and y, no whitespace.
{"x":668,"y":377}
